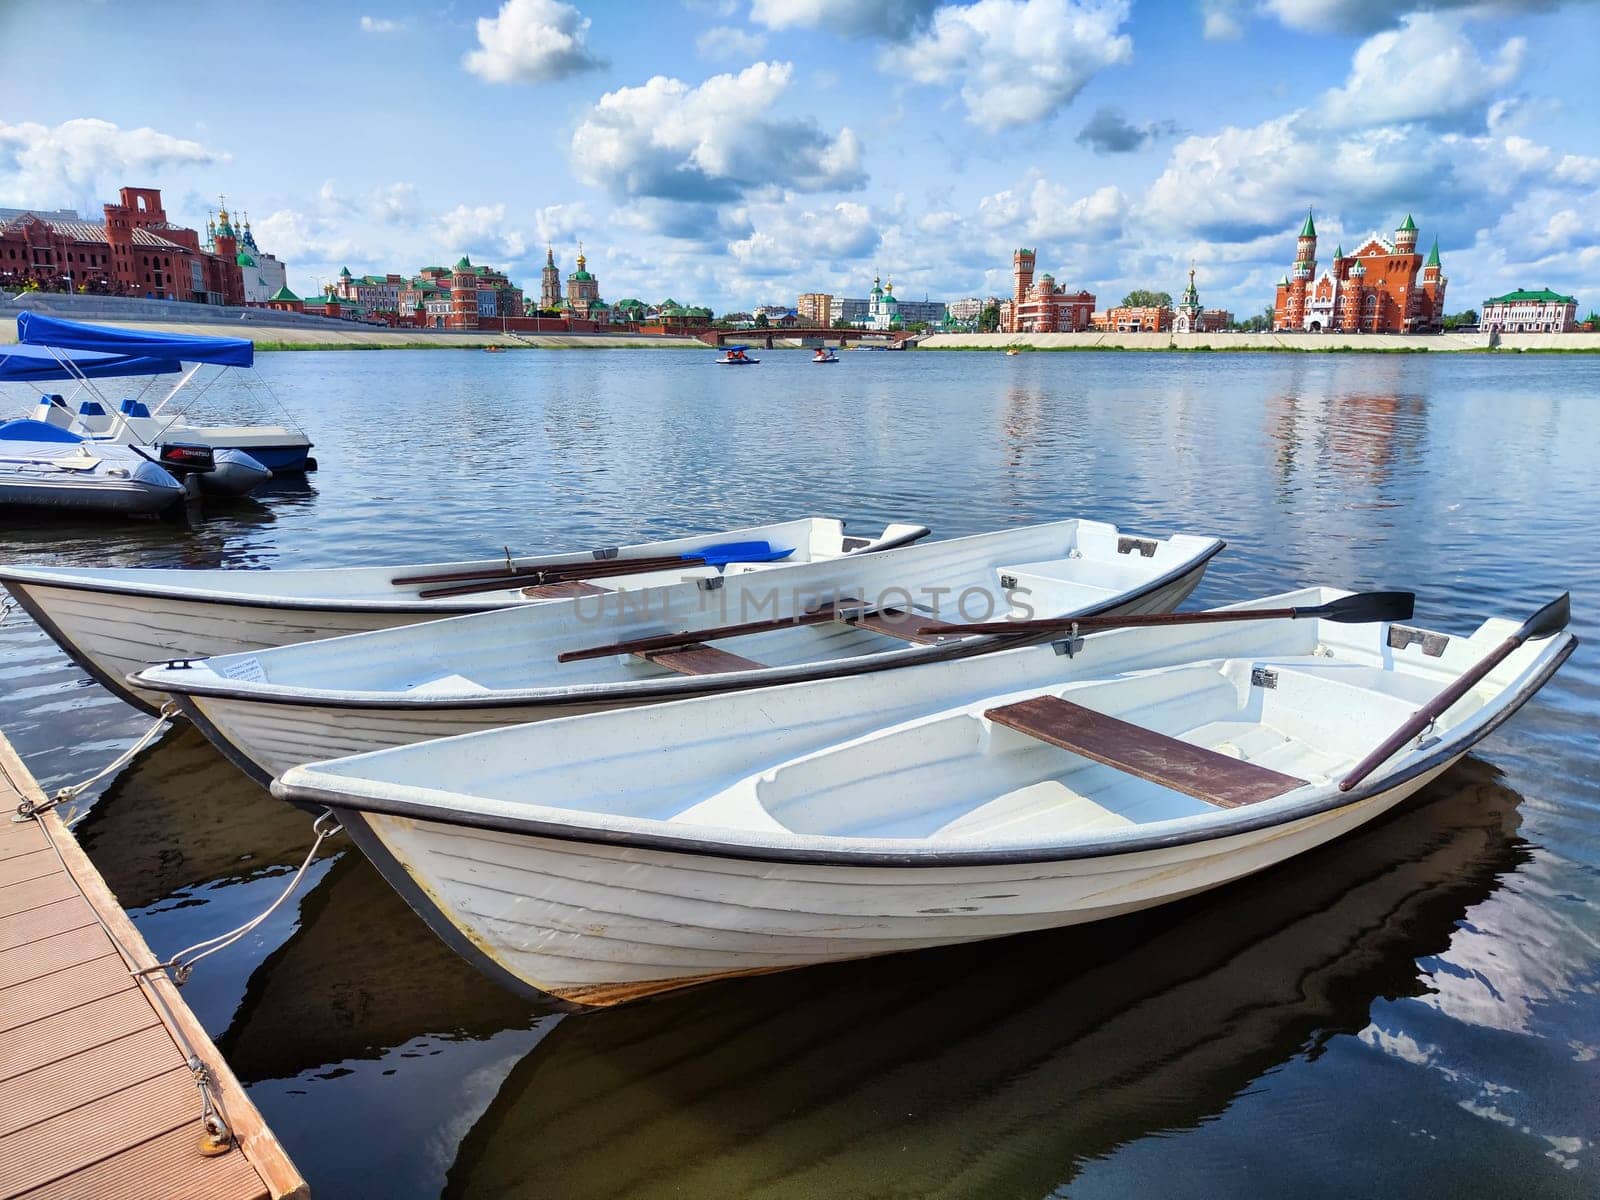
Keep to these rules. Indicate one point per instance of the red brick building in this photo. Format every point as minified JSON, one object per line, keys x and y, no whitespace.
{"x":1044,"y":307}
{"x":135,"y":252}
{"x":1384,"y":287}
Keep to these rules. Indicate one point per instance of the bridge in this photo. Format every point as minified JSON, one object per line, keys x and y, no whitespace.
{"x":815,"y":334}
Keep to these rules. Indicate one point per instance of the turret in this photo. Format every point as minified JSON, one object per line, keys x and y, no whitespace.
{"x":1306,"y":247}
{"x":1432,"y":269}
{"x":1022,"y":274}
{"x":1405,"y":238}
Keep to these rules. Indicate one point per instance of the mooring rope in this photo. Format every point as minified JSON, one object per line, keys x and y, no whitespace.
{"x":182,"y":963}
{"x":28,"y":808}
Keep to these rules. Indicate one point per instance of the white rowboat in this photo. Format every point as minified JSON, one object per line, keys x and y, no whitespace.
{"x":609,"y":857}
{"x":112,"y":621}
{"x":274,"y":709}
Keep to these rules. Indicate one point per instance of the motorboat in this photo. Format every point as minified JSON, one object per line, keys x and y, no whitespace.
{"x":611,"y":856}
{"x":737,"y":356}
{"x":824,"y":355}
{"x":112,"y":621}
{"x":622,"y":645}
{"x":70,"y":348}
{"x":45,"y":467}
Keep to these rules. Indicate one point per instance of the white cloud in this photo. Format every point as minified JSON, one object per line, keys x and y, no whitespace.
{"x":480,"y":229}
{"x":557,"y":222}
{"x":722,"y":42}
{"x":1016,"y":61}
{"x":82,"y":161}
{"x":1426,"y":70}
{"x":677,"y":144}
{"x":1224,"y":20}
{"x":532,"y":41}
{"x":1042,"y":210}
{"x":383,"y":25}
{"x":785,"y":241}
{"x":1368,"y":16}
{"x":893,"y":19}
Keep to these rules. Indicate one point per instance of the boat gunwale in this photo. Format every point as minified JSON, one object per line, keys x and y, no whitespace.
{"x":680,"y":687}
{"x":1207,"y":827}
{"x":9,"y":576}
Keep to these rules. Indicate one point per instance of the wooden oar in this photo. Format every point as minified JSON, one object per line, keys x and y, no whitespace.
{"x":1548,"y":621}
{"x":1359,"y":609}
{"x":669,"y":641}
{"x":511,"y":573}
{"x":535,"y":578}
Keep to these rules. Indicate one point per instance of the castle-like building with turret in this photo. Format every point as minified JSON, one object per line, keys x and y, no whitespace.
{"x":1045,"y":306}
{"x":1384,"y":287}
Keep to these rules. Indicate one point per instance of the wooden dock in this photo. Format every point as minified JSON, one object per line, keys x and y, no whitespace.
{"x":97,"y":1097}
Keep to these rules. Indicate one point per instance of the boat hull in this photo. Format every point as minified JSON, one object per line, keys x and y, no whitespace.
{"x":111,"y":640}
{"x":595,"y":925}
{"x":265,"y":738}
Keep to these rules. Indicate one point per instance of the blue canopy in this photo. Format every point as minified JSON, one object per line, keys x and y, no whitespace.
{"x":37,"y":330}
{"x":40,"y":364}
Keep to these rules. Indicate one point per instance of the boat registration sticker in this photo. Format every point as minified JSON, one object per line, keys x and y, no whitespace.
{"x":247,"y":669}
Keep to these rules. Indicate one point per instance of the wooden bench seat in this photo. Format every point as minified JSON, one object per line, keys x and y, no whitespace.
{"x":902,"y":624}
{"x":562,"y":590}
{"x":1193,"y":770}
{"x":697,"y":658}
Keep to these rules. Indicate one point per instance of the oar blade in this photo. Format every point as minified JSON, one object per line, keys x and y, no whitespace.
{"x":1366,"y":607}
{"x":1549,"y":620}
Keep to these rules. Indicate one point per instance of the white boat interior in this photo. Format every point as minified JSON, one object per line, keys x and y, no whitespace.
{"x":874,"y":608}
{"x":1140,"y":732}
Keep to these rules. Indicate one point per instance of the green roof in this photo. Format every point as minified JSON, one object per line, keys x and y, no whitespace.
{"x":283,"y":293}
{"x":1544,"y":294}
{"x":1308,"y":229}
{"x":1433,"y":255}
{"x":244,"y":260}
{"x":1408,"y":226}
{"x":1338,"y":251}
{"x":344,"y":273}
{"x":581,"y":276}
{"x":463,"y":263}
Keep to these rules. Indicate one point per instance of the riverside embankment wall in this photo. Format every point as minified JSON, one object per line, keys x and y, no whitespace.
{"x":270,"y":328}
{"x":1369,"y":343}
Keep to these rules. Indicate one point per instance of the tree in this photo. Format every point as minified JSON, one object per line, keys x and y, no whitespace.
{"x":1144,"y":298}
{"x":761,"y":320}
{"x":1456,"y":320}
{"x":841,"y":323}
{"x":989,"y":319}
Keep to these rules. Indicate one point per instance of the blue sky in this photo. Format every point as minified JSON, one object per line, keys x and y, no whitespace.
{"x":735,"y":152}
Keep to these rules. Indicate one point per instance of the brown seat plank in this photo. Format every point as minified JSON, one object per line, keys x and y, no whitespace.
{"x":1192,"y":770}
{"x":899,"y":623}
{"x":562,"y":589}
{"x":697,"y":658}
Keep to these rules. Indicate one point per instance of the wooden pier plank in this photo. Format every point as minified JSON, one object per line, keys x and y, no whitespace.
{"x":164,"y":1168}
{"x":58,"y":992}
{"x":23,"y":929}
{"x":96,"y":1099}
{"x":29,"y":1098}
{"x":22,"y":867}
{"x":54,"y":953}
{"x":67,"y":1142}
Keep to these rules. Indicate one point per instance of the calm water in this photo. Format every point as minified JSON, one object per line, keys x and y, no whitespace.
{"x":1414,"y":1010}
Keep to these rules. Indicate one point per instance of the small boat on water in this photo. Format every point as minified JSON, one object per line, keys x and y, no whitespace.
{"x":1012,"y":352}
{"x":76,"y":352}
{"x":45,"y":467}
{"x":737,"y":356}
{"x":115,"y":620}
{"x":617,"y":646}
{"x":611,"y":856}
{"x":824,"y":355}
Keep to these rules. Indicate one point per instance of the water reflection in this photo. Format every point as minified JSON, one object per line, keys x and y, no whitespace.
{"x":996,"y":1069}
